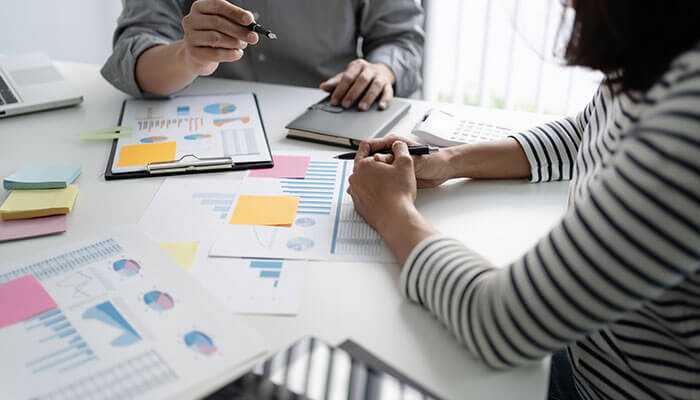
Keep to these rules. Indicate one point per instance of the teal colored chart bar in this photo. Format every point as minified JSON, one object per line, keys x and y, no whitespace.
{"x":266,"y":264}
{"x":269,"y":274}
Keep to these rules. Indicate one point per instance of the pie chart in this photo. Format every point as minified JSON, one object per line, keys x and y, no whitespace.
{"x":199,"y":342}
{"x":219,"y":108}
{"x":158,"y":301}
{"x":126,"y":267}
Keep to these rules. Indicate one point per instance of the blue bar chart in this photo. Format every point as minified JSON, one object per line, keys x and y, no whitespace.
{"x":269,"y":269}
{"x":316,"y":190}
{"x":61,"y":346}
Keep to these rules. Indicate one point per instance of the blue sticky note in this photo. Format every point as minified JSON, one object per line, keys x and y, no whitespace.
{"x":42,"y":177}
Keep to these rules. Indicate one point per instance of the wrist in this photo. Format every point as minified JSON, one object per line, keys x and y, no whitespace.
{"x":403,"y":228}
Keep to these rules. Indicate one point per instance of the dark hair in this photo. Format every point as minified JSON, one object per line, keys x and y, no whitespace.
{"x":633,"y":42}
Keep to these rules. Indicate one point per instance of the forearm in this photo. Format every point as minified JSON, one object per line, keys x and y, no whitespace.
{"x":403,"y":230}
{"x":496,"y":160}
{"x":163,"y":69}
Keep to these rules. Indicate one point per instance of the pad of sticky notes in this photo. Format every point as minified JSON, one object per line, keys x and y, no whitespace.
{"x":42,"y":177}
{"x":139,"y":155}
{"x":265,"y":210}
{"x":21,"y":204}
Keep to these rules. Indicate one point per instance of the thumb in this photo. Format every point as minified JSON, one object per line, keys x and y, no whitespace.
{"x":401,"y":155}
{"x":331,"y":83}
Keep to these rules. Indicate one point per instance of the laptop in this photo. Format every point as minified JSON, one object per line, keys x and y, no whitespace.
{"x":30,"y":83}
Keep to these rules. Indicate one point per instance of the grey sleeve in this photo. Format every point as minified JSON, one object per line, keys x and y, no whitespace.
{"x":392,"y":33}
{"x":141,"y":25}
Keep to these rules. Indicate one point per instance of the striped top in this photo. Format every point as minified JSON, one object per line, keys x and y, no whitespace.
{"x":617,"y":281}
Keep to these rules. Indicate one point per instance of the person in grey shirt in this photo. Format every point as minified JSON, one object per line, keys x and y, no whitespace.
{"x":361,"y":51}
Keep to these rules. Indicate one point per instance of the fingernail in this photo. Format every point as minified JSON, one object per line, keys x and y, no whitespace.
{"x":334,"y":102}
{"x":382,"y":105}
{"x":250,"y":37}
{"x":363,"y":106}
{"x":346,"y":104}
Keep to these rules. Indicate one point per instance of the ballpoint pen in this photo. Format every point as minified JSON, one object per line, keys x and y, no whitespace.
{"x":419,"y":150}
{"x":257,"y":28}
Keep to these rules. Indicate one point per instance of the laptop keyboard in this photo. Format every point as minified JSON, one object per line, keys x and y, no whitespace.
{"x":6,"y":96}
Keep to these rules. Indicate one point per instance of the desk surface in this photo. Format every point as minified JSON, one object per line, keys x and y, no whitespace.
{"x":501,"y":220}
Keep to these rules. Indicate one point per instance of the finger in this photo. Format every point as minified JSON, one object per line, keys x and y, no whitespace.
{"x":364,"y":79}
{"x":331,"y":83}
{"x":363,"y":151}
{"x":346,"y":80}
{"x":209,"y":55}
{"x":224,"y":9}
{"x":214,"y":39}
{"x":386,"y":98}
{"x":401,"y":155}
{"x":385,"y":158}
{"x":205,"y":22}
{"x":375,"y":89}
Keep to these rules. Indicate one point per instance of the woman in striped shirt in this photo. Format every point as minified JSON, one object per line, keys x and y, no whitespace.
{"x":613,"y":291}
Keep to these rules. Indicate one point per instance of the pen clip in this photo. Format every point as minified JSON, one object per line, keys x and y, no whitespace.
{"x":199,"y":164}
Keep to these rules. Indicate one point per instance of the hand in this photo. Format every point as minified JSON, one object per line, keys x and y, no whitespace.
{"x":214,"y":34}
{"x":380,"y":190}
{"x":364,"y":82}
{"x":430,"y":170}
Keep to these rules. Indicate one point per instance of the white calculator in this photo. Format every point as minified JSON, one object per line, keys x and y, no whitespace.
{"x":440,"y":128}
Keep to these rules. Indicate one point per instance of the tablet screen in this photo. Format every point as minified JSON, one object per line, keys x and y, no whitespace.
{"x":312,"y":369}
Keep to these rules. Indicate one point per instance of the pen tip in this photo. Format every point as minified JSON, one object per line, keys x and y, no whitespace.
{"x":272,"y":36}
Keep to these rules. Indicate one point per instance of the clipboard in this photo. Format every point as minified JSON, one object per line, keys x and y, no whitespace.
{"x":191,"y":162}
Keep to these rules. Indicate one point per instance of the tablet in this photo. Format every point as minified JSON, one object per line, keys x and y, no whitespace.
{"x":312,"y":369}
{"x":189,"y":134}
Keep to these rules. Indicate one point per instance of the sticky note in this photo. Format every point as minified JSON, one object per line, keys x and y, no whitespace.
{"x":22,"y":204}
{"x":265,"y":210}
{"x":42,"y":177}
{"x":183,"y":254}
{"x":29,"y":228}
{"x":21,"y":299}
{"x":285,"y":167}
{"x":139,"y":155}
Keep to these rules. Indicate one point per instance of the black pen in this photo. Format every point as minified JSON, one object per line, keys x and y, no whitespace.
{"x":257,"y":28}
{"x":420,"y":150}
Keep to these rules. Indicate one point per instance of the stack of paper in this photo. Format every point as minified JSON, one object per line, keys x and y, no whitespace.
{"x":29,"y":228}
{"x":42,"y":177}
{"x":23,"y":204}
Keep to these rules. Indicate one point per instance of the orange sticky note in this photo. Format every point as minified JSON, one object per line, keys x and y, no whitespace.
{"x":134,"y":155}
{"x":265,"y":210}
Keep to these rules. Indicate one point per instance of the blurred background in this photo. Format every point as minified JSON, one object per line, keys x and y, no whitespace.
{"x":495,"y":53}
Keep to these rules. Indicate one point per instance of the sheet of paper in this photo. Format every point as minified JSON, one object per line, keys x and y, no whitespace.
{"x":29,"y":228}
{"x":144,"y":154}
{"x":127,"y":324}
{"x":211,"y":126}
{"x":42,"y":177}
{"x":22,"y":204}
{"x":183,"y":254}
{"x":249,"y":286}
{"x":21,"y":299}
{"x":327,"y":227}
{"x":285,"y":167}
{"x":265,"y":210}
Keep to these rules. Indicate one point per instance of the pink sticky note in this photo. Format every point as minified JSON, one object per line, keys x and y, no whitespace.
{"x":22,"y":299}
{"x":27,"y":228}
{"x":285,"y":167}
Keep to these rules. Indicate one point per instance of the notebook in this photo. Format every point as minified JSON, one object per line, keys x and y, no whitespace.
{"x":328,"y":124}
{"x":190,"y":134}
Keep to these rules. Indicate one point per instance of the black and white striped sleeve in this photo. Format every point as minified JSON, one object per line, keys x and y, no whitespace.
{"x":633,"y":236}
{"x":551,"y":148}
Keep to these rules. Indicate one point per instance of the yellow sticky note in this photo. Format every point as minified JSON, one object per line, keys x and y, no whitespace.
{"x":183,"y":254}
{"x":135,"y":155}
{"x":265,"y":210}
{"x":23,"y":204}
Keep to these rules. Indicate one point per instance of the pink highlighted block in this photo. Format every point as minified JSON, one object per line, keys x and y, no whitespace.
{"x":22,"y":299}
{"x":285,"y":167}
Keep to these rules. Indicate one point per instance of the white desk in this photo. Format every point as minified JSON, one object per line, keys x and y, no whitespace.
{"x":360,"y":301}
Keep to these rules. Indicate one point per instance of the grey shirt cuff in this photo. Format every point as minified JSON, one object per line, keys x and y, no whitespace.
{"x":408,"y":81}
{"x":120,"y":68}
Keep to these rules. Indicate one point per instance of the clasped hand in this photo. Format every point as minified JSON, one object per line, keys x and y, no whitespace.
{"x":384,"y":186}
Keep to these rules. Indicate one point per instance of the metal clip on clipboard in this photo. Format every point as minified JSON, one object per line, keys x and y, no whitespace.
{"x":199,"y":164}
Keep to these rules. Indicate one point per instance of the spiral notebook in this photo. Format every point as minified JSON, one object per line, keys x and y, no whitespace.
{"x":189,"y":134}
